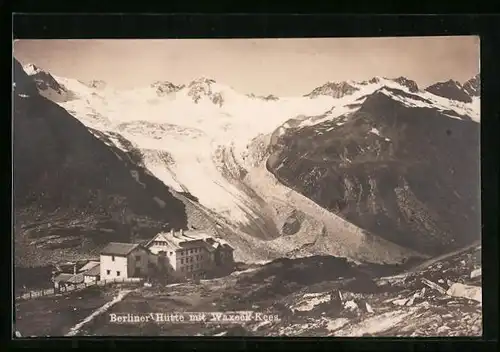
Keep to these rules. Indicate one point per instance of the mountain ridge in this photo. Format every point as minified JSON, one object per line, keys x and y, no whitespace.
{"x":215,"y":140}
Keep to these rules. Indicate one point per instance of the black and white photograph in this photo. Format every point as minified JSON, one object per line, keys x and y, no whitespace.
{"x":315,"y":187}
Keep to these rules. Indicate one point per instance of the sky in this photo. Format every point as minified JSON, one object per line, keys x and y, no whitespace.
{"x":284,"y":67}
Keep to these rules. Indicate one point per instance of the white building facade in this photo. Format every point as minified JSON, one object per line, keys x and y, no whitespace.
{"x":184,"y":254}
{"x":124,"y":260}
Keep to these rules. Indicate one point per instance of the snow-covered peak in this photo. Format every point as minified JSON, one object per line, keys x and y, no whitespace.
{"x":333,"y":89}
{"x":341,"y":89}
{"x":374,"y":80}
{"x":202,"y":81}
{"x":408,"y":83}
{"x":165,"y":87}
{"x":22,"y":84}
{"x":473,"y":86}
{"x":400,"y":89}
{"x":46,"y":83}
{"x":31,"y":69}
{"x":205,"y":88}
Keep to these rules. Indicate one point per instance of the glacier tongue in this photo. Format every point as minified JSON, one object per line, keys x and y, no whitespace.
{"x":203,"y":141}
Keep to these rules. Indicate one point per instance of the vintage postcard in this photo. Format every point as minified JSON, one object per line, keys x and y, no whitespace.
{"x":247,"y":187}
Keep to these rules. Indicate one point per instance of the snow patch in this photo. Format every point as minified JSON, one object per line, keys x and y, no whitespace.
{"x":311,"y":300}
{"x":375,"y":131}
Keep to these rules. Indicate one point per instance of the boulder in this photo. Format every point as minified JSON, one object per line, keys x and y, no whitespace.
{"x":465,"y":291}
{"x":410,"y":301}
{"x":400,"y":302}
{"x":351,"y":305}
{"x":475,"y":273}
{"x":291,"y":225}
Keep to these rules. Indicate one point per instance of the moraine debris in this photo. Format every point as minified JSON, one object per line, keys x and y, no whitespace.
{"x":434,"y":286}
{"x":465,"y":291}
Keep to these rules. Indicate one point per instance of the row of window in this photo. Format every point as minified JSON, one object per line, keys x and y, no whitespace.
{"x":190,"y":251}
{"x":160,"y":243}
{"x":184,"y":252}
{"x":190,"y":260}
{"x":137,"y":258}
{"x":118,"y":273}
{"x":108,"y":272}
{"x":190,"y":267}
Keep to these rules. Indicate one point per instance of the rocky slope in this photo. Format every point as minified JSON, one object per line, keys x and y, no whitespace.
{"x":455,"y":90}
{"x":71,"y":190}
{"x":473,"y":86}
{"x":396,"y":166}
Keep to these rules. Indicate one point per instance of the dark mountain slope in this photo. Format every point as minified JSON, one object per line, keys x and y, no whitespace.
{"x":72,"y":192}
{"x":410,"y":175}
{"x":450,"y":90}
{"x":47,"y":85}
{"x":473,"y":86}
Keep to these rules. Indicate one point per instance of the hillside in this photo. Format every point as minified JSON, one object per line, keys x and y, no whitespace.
{"x":395,"y":165}
{"x":315,"y":296}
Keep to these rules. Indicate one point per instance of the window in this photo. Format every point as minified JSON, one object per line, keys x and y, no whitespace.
{"x":138,"y":258}
{"x":171,"y":253}
{"x":182,"y":261}
{"x":118,"y":273}
{"x":201,"y":257}
{"x":108,"y":272}
{"x":112,"y":258}
{"x":190,"y":268}
{"x":197,"y":257}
